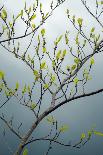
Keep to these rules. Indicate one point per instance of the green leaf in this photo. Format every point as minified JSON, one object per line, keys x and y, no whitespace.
{"x":77,"y":60}
{"x":53,"y":78}
{"x":41,"y":6}
{"x":21,"y":12}
{"x":93,"y":29}
{"x":32,"y":61}
{"x":92,"y":62}
{"x":98,"y":133}
{"x":19,"y":15}
{"x":38,"y":38}
{"x":24,"y":90}
{"x":53,"y":63}
{"x":63,"y":128}
{"x":64,"y":53}
{"x":80,"y":21}
{"x":29,"y":10}
{"x":9,"y":93}
{"x":43,"y":65}
{"x":46,"y":86}
{"x":73,"y":18}
{"x":73,"y":67}
{"x":25,"y":152}
{"x":33,"y":106}
{"x":98,"y":37}
{"x":1,"y":74}
{"x":36,"y":73}
{"x":46,"y":15}
{"x":82,"y":136}
{"x":84,"y":43}
{"x":33,"y":17}
{"x":58,"y":54}
{"x":77,"y":40}
{"x":89,"y":77}
{"x":42,"y":32}
{"x":44,"y":49}
{"x":33,"y":26}
{"x":66,"y":39}
{"x":10,"y":25}
{"x":29,"y":59}
{"x":17,"y":86}
{"x":59,"y":39}
{"x":28,"y":88}
{"x":4,"y":14}
{"x":76,"y":80}
{"x":89,"y":133}
{"x":50,"y":119}
{"x":1,"y":85}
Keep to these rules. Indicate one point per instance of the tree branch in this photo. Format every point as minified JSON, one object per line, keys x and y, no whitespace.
{"x":10,"y":127}
{"x":75,"y":98}
{"x":25,"y":35}
{"x":84,"y":3}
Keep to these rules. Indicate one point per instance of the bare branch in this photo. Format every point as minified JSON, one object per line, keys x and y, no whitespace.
{"x":10,"y":127}
{"x":84,"y":3}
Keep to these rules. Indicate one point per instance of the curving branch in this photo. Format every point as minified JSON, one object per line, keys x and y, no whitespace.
{"x":77,"y":97}
{"x":43,"y":115}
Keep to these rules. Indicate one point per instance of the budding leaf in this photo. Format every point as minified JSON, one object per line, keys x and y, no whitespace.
{"x":44,"y":49}
{"x":50,"y":119}
{"x":89,"y":133}
{"x":43,"y":65}
{"x":4,"y":14}
{"x":98,"y":133}
{"x":1,"y":74}
{"x":77,"y":60}
{"x":33,"y":17}
{"x":92,"y":61}
{"x":73,"y":67}
{"x":33,"y":106}
{"x":25,"y":152}
{"x":24,"y":90}
{"x":46,"y":86}
{"x":17,"y":86}
{"x":59,"y":39}
{"x":82,"y":136}
{"x":63,"y":128}
{"x":64,"y":52}
{"x":76,"y":80}
{"x":53,"y":78}
{"x":80,"y":21}
{"x":58,"y":55}
{"x":42,"y":32}
{"x":33,"y":26}
{"x":36,"y":73}
{"x":93,"y":29}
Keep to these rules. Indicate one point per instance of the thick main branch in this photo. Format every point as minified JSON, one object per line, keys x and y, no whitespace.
{"x":48,"y":111}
